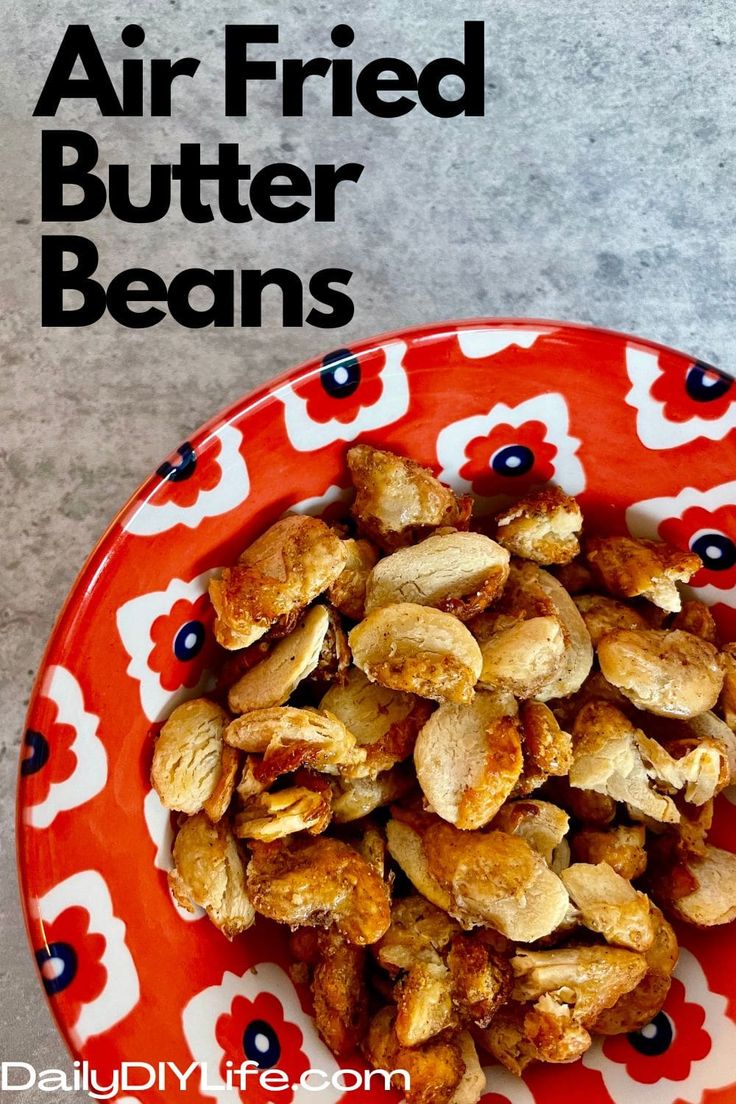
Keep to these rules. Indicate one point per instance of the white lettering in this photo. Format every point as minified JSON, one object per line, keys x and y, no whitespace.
{"x":6,"y":1069}
{"x":131,"y":1085}
{"x":104,"y":1092}
{"x":182,"y":1077}
{"x":338,"y":1080}
{"x":52,"y":1079}
{"x":275,"y":1079}
{"x":304,"y":1081}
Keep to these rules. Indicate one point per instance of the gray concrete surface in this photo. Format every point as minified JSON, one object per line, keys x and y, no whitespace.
{"x":598,"y":188}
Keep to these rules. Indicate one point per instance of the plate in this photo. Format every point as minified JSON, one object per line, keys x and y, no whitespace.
{"x":644,"y":436}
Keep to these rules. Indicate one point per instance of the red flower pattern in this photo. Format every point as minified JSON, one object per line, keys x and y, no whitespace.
{"x":690,"y":1043}
{"x":671,"y":389}
{"x":487,"y":476}
{"x":174,"y":670}
{"x":61,"y":763}
{"x":287,"y":1051}
{"x":324,"y":407}
{"x":205,"y":476}
{"x":72,"y":927}
{"x":722,"y":522}
{"x":444,"y":386}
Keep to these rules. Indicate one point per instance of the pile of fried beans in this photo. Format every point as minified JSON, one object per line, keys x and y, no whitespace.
{"x":469,"y":762}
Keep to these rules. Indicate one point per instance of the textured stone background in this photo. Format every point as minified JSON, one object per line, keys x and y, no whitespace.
{"x":599,"y":188}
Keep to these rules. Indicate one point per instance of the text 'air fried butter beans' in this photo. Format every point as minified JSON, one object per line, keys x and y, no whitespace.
{"x":474,"y":789}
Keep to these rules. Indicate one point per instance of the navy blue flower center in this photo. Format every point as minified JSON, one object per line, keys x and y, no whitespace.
{"x":704,"y":384}
{"x":58,"y":966}
{"x":716,"y":550}
{"x":261,"y":1044}
{"x":183,"y":469}
{"x":513,"y":460}
{"x":340,"y":375}
{"x":655,"y":1038}
{"x":39,"y":756}
{"x":189,"y":640}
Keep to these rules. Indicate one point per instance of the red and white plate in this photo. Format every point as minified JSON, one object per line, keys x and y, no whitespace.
{"x":643,"y":435}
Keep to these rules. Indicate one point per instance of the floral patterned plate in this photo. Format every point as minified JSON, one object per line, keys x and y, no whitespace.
{"x":644,"y":436}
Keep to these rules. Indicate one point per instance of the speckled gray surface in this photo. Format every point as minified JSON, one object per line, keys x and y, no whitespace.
{"x":598,"y":188}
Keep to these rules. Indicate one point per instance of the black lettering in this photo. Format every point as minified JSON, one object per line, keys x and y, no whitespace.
{"x":264,"y":188}
{"x":55,"y":175}
{"x":163,"y":75}
{"x":55,"y":280}
{"x":220,"y":312}
{"x":238,"y":70}
{"x":342,"y":36}
{"x":78,"y":45}
{"x":120,"y":294}
{"x":254,"y":283}
{"x":295,"y":72}
{"x":326,"y":180}
{"x":471,"y":71}
{"x":341,"y":305}
{"x":133,"y":87}
{"x":191,"y":172}
{"x":232,"y":172}
{"x":342,"y":87}
{"x":370,"y":82}
{"x":121,"y":205}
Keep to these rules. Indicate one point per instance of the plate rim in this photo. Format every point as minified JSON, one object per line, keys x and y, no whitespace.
{"x":83,"y":584}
